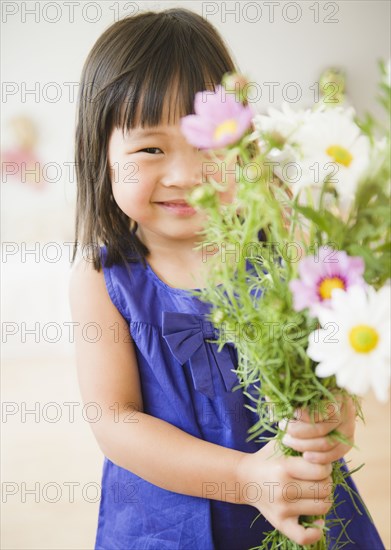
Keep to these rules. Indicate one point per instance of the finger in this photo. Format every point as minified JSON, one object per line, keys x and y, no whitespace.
{"x":326,"y":457}
{"x":309,"y":506}
{"x":325,"y":410}
{"x":307,"y":430}
{"x":299,"y":534}
{"x":311,"y":490}
{"x":348,"y":414}
{"x":298,"y":468}
{"x":320,"y":444}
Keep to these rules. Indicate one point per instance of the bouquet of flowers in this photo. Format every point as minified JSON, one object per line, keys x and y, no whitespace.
{"x":307,"y":304}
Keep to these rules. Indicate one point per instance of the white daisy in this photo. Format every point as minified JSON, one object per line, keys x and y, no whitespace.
{"x":277,"y":127}
{"x":332,"y":145}
{"x":282,"y":122}
{"x":354,"y":343}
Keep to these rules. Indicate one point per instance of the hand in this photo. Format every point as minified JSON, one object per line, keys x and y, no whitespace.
{"x":288,"y":487}
{"x":309,"y":437}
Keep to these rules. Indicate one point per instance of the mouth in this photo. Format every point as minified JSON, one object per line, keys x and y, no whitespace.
{"x":174,"y":201}
{"x":180,"y":207}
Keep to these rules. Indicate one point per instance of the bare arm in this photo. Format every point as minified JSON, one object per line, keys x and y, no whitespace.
{"x":108,"y":376}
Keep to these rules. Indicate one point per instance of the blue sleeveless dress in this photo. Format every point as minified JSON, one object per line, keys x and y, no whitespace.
{"x":187,"y":382}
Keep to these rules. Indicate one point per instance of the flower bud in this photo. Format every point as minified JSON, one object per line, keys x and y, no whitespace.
{"x":218,"y":316}
{"x":332,"y":86}
{"x":236,"y":82}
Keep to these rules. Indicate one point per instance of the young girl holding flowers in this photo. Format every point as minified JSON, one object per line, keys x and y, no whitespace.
{"x":178,"y":473}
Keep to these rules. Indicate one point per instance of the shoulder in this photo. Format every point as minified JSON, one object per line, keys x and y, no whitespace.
{"x":87,"y":289}
{"x":92,"y":306}
{"x":84,"y":277}
{"x":110,"y":287}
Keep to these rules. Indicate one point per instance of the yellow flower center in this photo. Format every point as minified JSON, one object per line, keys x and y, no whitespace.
{"x":327,"y":286}
{"x":363,"y":338}
{"x":229,"y":127}
{"x":339,"y":154}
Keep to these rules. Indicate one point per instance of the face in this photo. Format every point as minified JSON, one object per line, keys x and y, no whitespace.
{"x":152,"y":171}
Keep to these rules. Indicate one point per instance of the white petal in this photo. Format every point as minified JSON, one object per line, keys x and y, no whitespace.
{"x":319,"y":346}
{"x":354,"y":379}
{"x":380,"y":385}
{"x":326,"y":368}
{"x":380,"y":304}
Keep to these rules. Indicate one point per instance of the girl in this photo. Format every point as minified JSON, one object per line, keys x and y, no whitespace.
{"x":178,"y":472}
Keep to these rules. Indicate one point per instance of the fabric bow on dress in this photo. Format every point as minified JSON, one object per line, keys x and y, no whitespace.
{"x":185,"y":334}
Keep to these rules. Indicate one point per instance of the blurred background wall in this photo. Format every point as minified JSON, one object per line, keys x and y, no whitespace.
{"x":283,"y":47}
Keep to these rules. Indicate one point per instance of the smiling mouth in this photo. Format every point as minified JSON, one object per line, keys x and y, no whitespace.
{"x":175,"y":203}
{"x":177,"y":207}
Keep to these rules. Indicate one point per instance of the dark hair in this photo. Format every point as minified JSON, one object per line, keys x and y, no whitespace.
{"x":134,"y":66}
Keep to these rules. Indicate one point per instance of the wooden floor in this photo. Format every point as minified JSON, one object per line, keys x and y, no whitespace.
{"x":43,"y":457}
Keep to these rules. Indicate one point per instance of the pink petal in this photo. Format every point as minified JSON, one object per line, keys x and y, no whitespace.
{"x":356,"y":270}
{"x":329,"y":261}
{"x":213,"y":109}
{"x":206,"y":104}
{"x":314,"y":307}
{"x":303,"y":296}
{"x":309,"y":271}
{"x":215,"y":106}
{"x":197,"y":132}
{"x":245,"y":118}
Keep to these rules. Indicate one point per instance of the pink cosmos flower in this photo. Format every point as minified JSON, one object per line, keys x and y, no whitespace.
{"x":219,"y":120}
{"x":321,"y":274}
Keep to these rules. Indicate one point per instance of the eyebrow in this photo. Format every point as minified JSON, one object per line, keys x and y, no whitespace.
{"x":144,"y":133}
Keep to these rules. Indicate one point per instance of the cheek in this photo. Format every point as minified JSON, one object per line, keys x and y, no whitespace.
{"x":131,"y":187}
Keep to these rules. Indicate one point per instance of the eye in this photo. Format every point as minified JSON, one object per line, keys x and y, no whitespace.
{"x":151,"y":150}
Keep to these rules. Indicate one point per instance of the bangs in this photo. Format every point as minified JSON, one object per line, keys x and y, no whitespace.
{"x":175,"y":66}
{"x":159,"y":99}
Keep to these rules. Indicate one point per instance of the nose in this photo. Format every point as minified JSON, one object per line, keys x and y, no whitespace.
{"x":183,"y":169}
